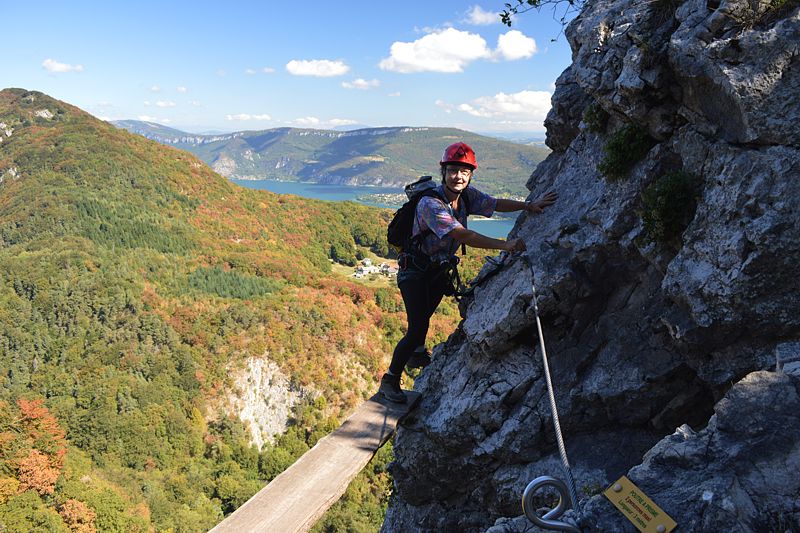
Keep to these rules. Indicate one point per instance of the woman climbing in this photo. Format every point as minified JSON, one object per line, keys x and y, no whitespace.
{"x":440,"y":227}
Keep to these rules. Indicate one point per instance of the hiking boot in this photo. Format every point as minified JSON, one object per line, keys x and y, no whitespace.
{"x":419,"y":359}
{"x":390,"y":389}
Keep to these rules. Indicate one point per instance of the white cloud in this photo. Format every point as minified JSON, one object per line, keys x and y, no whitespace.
{"x":448,"y":50}
{"x":146,"y":103}
{"x":432,"y":29}
{"x":245,"y":116}
{"x":448,"y":108}
{"x":51,"y":65}
{"x":148,"y":118}
{"x":360,"y":83}
{"x":222,"y":73}
{"x":478,"y":17}
{"x":195,"y":103}
{"x":314,"y":122}
{"x":155,"y":89}
{"x":306,"y":121}
{"x":481,"y":112}
{"x":523,"y":108}
{"x":514,"y":45}
{"x":394,"y":94}
{"x":181,"y":89}
{"x":249,"y":71}
{"x":268,"y":70}
{"x":322,"y":68}
{"x":341,"y":122}
{"x":165,"y":103}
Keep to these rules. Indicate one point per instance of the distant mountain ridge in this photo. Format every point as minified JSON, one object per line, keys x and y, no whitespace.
{"x":387,"y":156}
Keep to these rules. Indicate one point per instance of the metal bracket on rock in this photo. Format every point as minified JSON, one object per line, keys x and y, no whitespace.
{"x":549,"y":520}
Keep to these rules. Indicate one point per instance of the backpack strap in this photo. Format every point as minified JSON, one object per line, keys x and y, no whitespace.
{"x":416,"y":239}
{"x":465,"y":198}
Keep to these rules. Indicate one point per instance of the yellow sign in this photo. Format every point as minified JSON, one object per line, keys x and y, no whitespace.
{"x":638,"y":508}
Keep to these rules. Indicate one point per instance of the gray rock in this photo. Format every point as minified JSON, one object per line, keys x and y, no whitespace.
{"x":620,"y":59}
{"x":738,"y":267}
{"x":641,"y":337}
{"x":738,"y":73}
{"x":569,"y":103}
{"x":739,"y":474}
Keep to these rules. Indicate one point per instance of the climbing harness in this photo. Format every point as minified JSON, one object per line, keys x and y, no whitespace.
{"x":568,"y":495}
{"x":447,"y":271}
{"x":455,"y":287}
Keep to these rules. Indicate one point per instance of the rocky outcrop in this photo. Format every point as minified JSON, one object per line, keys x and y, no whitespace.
{"x":224,"y":165}
{"x":644,"y":337}
{"x":564,"y":118}
{"x":738,"y":474}
{"x":262,"y":398}
{"x":5,"y":128}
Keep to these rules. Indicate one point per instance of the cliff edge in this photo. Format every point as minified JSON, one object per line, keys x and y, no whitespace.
{"x":667,"y":287}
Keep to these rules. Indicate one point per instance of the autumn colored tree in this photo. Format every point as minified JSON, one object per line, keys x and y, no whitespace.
{"x":36,"y":472}
{"x":43,"y":431}
{"x":78,"y":516}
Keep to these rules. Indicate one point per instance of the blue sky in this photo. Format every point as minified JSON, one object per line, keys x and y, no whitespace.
{"x":199,"y":66}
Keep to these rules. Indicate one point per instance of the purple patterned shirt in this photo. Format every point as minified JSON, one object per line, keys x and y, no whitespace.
{"x":436,"y":215}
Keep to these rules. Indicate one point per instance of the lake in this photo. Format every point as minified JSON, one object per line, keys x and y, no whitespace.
{"x":339,"y":193}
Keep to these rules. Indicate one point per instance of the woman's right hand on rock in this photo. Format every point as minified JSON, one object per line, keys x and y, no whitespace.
{"x":515,"y":245}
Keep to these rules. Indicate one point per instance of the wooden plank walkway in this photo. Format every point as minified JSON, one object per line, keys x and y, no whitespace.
{"x":301,"y":494}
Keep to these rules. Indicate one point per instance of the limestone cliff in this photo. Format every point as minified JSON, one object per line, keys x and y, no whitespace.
{"x":262,"y":398}
{"x":663,"y":351}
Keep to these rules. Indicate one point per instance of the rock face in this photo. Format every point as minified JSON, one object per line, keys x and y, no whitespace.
{"x":262,"y":398}
{"x":643,"y":337}
{"x":739,"y":474}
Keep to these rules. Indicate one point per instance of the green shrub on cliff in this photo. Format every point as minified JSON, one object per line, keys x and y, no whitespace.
{"x":623,"y":150}
{"x":595,"y":117}
{"x":669,"y":204}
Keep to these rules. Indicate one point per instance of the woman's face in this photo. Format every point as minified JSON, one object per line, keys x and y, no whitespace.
{"x":457,"y":177}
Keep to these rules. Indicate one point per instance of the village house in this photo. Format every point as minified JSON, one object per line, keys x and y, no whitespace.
{"x":366,"y":268}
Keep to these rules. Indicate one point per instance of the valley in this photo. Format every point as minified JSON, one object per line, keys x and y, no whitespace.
{"x":379,"y":157}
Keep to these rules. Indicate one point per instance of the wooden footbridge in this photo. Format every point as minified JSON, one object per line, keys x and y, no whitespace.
{"x":299,"y":496}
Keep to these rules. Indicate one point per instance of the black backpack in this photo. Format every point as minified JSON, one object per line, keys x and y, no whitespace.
{"x":402,"y":225}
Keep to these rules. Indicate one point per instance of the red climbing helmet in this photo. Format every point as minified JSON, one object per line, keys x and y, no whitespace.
{"x":459,"y":154}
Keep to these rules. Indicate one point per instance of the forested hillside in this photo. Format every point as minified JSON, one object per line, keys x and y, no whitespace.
{"x":133,"y":279}
{"x":369,"y":156}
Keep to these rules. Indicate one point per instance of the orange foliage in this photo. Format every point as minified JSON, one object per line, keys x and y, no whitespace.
{"x":181,"y":318}
{"x":36,"y":472}
{"x":43,"y":429}
{"x":149,"y":294}
{"x":78,"y":516}
{"x":141,"y":509}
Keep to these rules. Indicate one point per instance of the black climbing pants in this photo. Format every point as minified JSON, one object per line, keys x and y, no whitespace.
{"x":421,"y":295}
